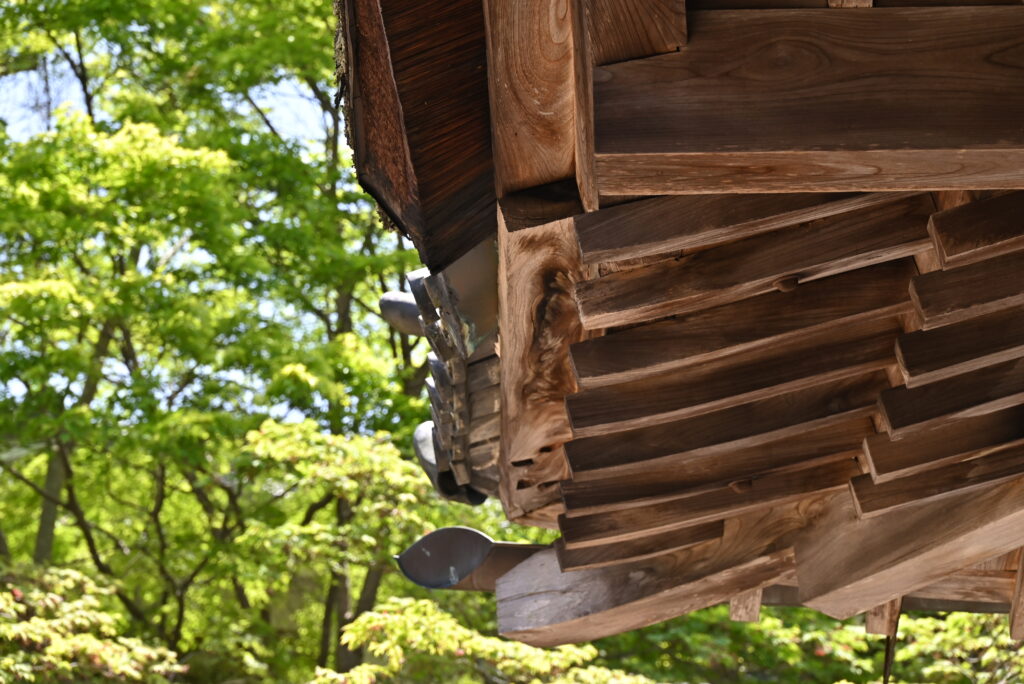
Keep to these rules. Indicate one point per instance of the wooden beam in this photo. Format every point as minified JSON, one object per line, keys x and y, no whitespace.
{"x":1017,"y":605}
{"x":538,"y":322}
{"x":884,"y":619}
{"x":636,"y":549}
{"x":802,"y":100}
{"x":999,"y":465}
{"x":540,"y":605}
{"x":765,"y":321}
{"x":746,"y":606}
{"x":930,"y":355}
{"x":910,"y":409}
{"x":846,"y":565}
{"x":630,"y":29}
{"x":945,"y":297}
{"x":951,"y":442}
{"x":685,"y":446}
{"x":728,"y":500}
{"x":754,"y":266}
{"x":979,"y":230}
{"x":741,"y":378}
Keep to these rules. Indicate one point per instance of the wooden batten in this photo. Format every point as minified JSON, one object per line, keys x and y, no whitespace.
{"x":945,"y":297}
{"x":884,"y":619}
{"x":683,"y":124}
{"x":755,"y":266}
{"x":979,"y":230}
{"x":633,"y":550}
{"x":746,"y":606}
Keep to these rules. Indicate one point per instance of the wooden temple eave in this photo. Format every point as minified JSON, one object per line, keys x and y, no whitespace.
{"x":760,"y":300}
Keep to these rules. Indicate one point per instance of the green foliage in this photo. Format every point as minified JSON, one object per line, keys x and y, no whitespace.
{"x":60,"y":626}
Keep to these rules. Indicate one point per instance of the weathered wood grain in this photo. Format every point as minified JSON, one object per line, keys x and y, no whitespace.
{"x":1017,"y":605}
{"x":950,"y":442}
{"x":743,"y":377}
{"x":883,"y":619}
{"x":759,"y":322}
{"x":929,"y":355}
{"x":945,"y":297}
{"x":746,"y":606}
{"x":979,"y":230}
{"x":637,"y":549}
{"x":800,"y":100}
{"x":750,"y":267}
{"x":999,"y":465}
{"x":630,"y":29}
{"x":910,"y":409}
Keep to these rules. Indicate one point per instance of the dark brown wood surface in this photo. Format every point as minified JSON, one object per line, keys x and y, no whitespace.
{"x":944,"y":297}
{"x":753,"y":266}
{"x":798,"y":100}
{"x":637,"y":549}
{"x":629,"y":29}
{"x":979,"y":230}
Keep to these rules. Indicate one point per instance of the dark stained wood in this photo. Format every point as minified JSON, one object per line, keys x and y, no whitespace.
{"x":800,"y":100}
{"x":629,"y":29}
{"x":952,"y":441}
{"x":690,"y":474}
{"x":764,"y":321}
{"x":540,"y":605}
{"x":750,"y":267}
{"x":929,"y":355}
{"x":660,"y":225}
{"x":909,"y":409}
{"x":945,"y":297}
{"x":847,"y":565}
{"x":726,"y":501}
{"x":637,"y":549}
{"x":979,"y":230}
{"x":747,"y":376}
{"x":999,"y":465}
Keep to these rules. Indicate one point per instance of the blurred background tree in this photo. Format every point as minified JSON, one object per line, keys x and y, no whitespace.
{"x":200,"y":406}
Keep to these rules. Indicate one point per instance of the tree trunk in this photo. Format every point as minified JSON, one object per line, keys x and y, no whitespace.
{"x":326,"y":631}
{"x":344,"y":659}
{"x":5,"y":550}
{"x":55,"y":475}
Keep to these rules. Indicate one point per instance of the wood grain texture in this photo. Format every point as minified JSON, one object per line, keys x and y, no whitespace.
{"x":906,"y":410}
{"x":746,"y":606}
{"x":759,"y":322}
{"x":753,"y":266}
{"x":583,"y":106}
{"x":538,"y":322}
{"x":754,"y":104}
{"x":979,"y":230}
{"x":929,"y":355}
{"x":637,"y":549}
{"x":846,"y":565}
{"x":530,"y":72}
{"x":1017,"y":605}
{"x":999,"y":465}
{"x":883,"y":619}
{"x":630,"y":29}
{"x":660,"y":225}
{"x":945,"y":297}
{"x":726,"y":501}
{"x":953,"y":441}
{"x":692,"y":475}
{"x":540,"y":605}
{"x":744,"y":377}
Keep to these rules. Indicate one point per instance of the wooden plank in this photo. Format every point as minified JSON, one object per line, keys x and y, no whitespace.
{"x":883,"y":619}
{"x":647,"y":484}
{"x":746,"y":606}
{"x":482,"y":374}
{"x":949,"y":443}
{"x":1017,"y":605}
{"x":929,"y":355}
{"x":801,"y":100}
{"x":637,"y":549}
{"x":583,"y":104}
{"x":979,"y":230}
{"x":691,"y":441}
{"x":765,"y":321}
{"x":846,"y":565}
{"x":945,"y":297}
{"x":538,"y":322}
{"x":754,"y":266}
{"x":726,"y":501}
{"x":630,"y":29}
{"x":986,"y":586}
{"x":661,"y":225}
{"x":530,"y":76}
{"x":1005,"y":463}
{"x":744,"y":377}
{"x":910,"y":409}
{"x":542,"y":606}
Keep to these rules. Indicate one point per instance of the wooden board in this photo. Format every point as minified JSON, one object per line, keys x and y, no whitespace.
{"x":846,"y":565}
{"x":999,"y":465}
{"x":746,"y":606}
{"x":953,"y":441}
{"x":629,"y":29}
{"x":750,"y":267}
{"x":945,"y":297}
{"x":636,"y":549}
{"x":747,"y":376}
{"x":979,"y":230}
{"x":930,"y":355}
{"x":883,"y":619}
{"x":765,"y":321}
{"x":910,"y":409}
{"x":803,"y":100}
